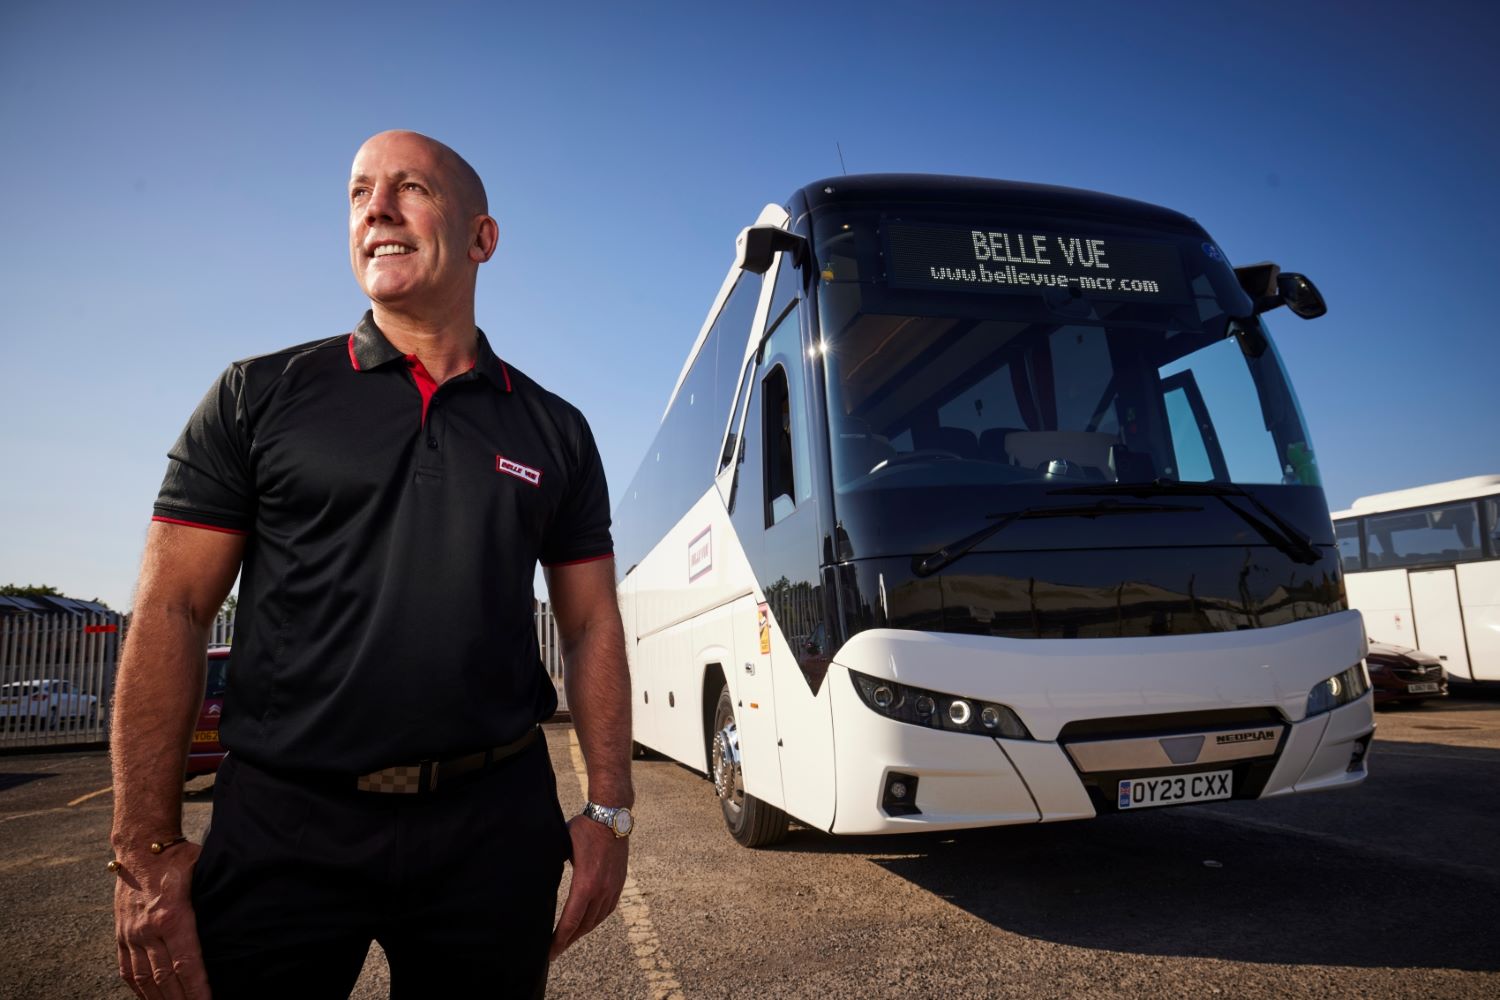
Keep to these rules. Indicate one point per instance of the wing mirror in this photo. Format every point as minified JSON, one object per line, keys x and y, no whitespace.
{"x":1301,"y":295}
{"x":1268,"y":287}
{"x":757,"y":246}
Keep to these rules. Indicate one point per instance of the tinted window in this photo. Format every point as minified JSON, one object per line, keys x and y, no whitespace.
{"x":996,"y":385}
{"x":217,"y":680}
{"x":787,"y":470}
{"x":680,"y":464}
{"x":1492,"y":518}
{"x":1445,"y":534}
{"x":1348,"y":537}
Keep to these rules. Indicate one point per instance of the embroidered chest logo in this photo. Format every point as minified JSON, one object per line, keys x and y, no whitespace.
{"x":522,"y":472}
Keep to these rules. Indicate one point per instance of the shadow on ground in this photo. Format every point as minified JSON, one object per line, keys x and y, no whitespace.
{"x":17,"y":779}
{"x":1347,"y":878}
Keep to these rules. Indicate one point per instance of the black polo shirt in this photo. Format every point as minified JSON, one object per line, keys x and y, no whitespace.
{"x":394,"y":527}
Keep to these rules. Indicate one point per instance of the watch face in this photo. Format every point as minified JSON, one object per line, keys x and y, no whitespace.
{"x":623,"y":822}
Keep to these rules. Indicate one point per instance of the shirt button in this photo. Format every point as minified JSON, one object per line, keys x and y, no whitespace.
{"x":432,"y":443}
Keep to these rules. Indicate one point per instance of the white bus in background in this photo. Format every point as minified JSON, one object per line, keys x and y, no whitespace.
{"x":979,"y":503}
{"x":1423,"y":566}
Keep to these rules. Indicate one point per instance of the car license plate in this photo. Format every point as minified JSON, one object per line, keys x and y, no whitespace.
{"x":206,"y":736}
{"x":1171,"y":790}
{"x":1426,"y":687}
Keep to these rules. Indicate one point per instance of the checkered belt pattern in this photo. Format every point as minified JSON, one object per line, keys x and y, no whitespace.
{"x":420,"y":778}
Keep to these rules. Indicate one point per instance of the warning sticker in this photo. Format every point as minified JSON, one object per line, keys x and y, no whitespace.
{"x":763,"y":622}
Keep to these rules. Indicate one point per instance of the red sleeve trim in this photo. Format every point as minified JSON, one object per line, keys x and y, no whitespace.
{"x":577,"y":562}
{"x":195,"y":524}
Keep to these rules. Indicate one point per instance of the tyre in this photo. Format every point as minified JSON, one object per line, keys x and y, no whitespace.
{"x":751,"y":822}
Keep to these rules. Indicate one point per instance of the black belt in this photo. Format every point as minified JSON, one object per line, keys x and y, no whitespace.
{"x":422,"y":777}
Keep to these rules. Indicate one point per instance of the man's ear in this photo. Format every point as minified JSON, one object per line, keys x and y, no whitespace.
{"x":486,"y":238}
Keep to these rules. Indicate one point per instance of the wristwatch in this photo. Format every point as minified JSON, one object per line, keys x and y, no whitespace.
{"x":617,"y":818}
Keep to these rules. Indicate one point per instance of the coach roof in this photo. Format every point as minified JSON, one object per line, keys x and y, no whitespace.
{"x":859,"y":189}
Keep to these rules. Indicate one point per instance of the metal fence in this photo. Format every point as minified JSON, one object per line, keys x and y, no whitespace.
{"x":222,"y":634}
{"x":546,"y":641}
{"x":57,"y":677}
{"x":57,"y":673}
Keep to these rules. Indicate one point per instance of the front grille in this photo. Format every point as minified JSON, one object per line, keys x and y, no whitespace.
{"x":1169,"y":724}
{"x":1250,"y":776}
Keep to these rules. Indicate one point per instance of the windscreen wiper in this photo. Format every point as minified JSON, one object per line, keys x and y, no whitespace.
{"x":953,"y":551}
{"x":1279,"y":532}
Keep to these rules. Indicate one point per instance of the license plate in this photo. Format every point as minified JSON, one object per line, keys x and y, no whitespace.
{"x":1171,"y":790}
{"x":206,"y":736}
{"x":1426,"y":687}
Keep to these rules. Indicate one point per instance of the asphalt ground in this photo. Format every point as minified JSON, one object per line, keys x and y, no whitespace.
{"x":1389,"y":890}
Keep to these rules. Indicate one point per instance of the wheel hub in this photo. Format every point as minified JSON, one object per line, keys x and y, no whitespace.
{"x":726,"y":765}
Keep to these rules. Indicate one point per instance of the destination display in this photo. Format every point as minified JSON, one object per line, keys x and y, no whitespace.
{"x":1021,"y":262}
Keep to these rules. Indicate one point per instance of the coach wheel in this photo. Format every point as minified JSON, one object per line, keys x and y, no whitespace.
{"x":751,"y":822}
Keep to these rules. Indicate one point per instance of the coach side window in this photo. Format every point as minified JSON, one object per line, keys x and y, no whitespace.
{"x":1348,"y":539}
{"x":1492,"y":518}
{"x":788,"y":475}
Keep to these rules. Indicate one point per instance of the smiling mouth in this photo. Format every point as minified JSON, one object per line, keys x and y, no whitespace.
{"x":390,"y":249}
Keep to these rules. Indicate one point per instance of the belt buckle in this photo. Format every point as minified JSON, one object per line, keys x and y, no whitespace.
{"x":399,"y":780}
{"x":429,"y":776}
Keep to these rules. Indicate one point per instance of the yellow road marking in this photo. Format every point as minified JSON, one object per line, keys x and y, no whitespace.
{"x":34,"y":812}
{"x":92,"y":795}
{"x":654,"y":965}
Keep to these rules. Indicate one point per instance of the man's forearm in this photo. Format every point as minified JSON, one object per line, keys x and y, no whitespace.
{"x":597,"y":682}
{"x":158,"y":691}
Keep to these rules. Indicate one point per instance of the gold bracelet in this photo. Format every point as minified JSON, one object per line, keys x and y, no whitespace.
{"x":157,"y":846}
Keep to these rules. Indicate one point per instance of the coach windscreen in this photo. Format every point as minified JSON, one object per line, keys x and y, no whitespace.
{"x":962,"y":349}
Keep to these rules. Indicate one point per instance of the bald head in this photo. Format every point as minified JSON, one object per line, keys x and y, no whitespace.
{"x":465,"y":179}
{"x":419,"y":224}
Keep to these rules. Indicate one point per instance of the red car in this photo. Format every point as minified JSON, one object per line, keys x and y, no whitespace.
{"x":1403,"y":674}
{"x":205,"y":753}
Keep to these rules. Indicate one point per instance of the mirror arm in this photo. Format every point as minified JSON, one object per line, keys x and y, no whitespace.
{"x":757,"y":246}
{"x":1260,"y":283}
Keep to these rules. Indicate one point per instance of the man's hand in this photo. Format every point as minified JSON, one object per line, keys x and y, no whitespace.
{"x":599,"y":860}
{"x":155,"y":931}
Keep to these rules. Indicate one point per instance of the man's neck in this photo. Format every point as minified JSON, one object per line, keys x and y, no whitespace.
{"x":445,"y":345}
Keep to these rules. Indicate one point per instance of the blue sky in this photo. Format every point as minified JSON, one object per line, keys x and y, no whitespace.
{"x":177,"y":174}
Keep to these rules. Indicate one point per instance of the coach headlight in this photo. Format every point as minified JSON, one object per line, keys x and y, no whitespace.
{"x":934,"y":710}
{"x":1340,"y":689}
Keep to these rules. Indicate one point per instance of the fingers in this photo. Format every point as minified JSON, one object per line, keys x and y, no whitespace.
{"x":156,"y":941}
{"x":568,"y":924}
{"x":585,"y":909}
{"x":127,"y":972}
{"x":592,"y":896}
{"x":188,"y":964}
{"x":140,"y":975}
{"x":164,"y":971}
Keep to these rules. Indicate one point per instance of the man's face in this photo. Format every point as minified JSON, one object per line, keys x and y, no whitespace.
{"x":411,"y":226}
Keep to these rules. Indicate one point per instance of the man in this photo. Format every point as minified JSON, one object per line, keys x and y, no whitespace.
{"x":385,"y":496}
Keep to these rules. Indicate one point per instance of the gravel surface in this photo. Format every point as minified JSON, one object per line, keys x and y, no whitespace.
{"x":1389,"y":890}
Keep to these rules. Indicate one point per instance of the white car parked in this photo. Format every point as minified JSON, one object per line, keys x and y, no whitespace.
{"x":46,"y":704}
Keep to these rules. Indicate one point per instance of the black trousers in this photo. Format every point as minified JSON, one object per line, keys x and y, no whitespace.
{"x":297,"y":877}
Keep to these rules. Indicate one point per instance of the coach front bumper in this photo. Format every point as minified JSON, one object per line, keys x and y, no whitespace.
{"x":1112,"y":695}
